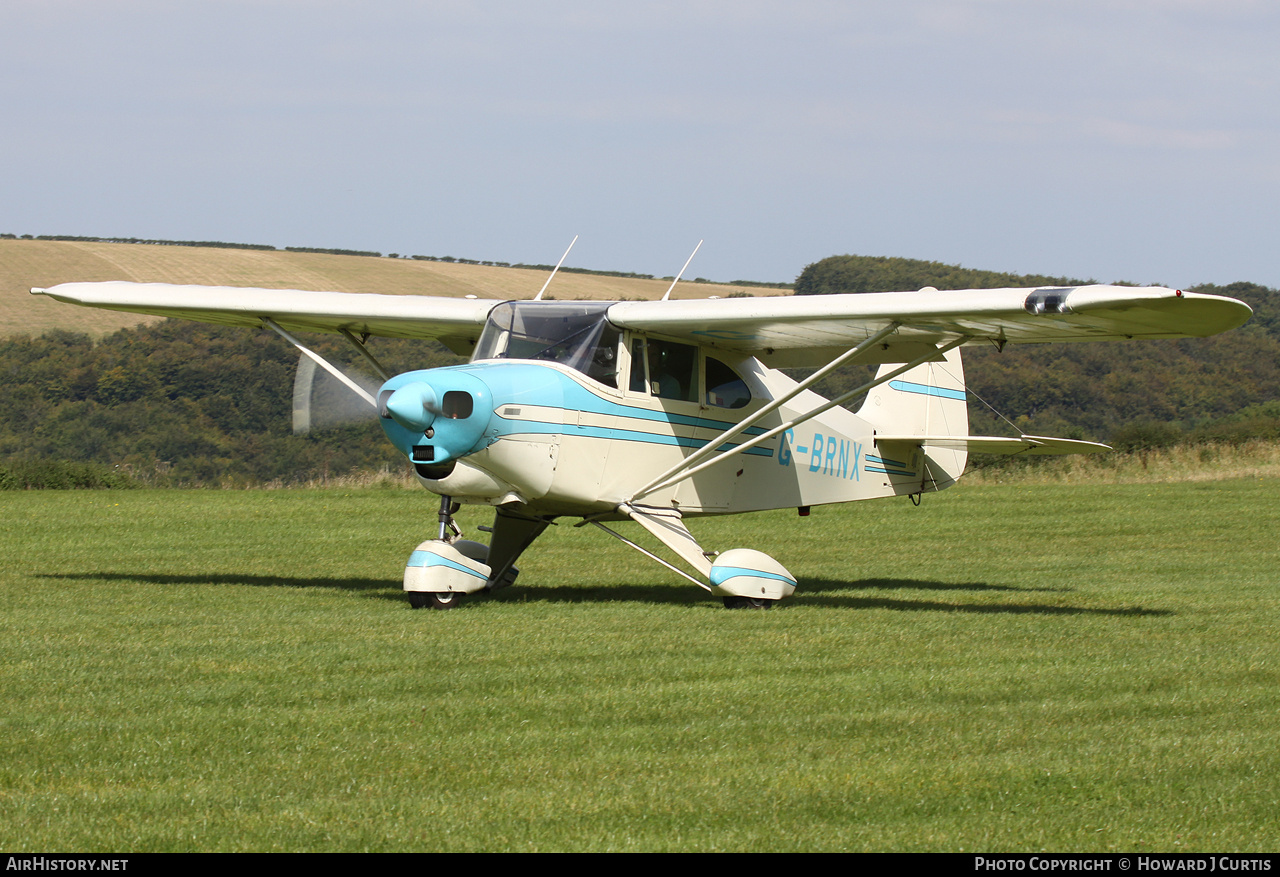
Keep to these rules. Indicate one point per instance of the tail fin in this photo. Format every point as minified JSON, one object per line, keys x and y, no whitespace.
{"x":928,"y":400}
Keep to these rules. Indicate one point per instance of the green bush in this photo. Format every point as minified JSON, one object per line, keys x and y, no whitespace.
{"x":1146,"y":435}
{"x":60,"y":475}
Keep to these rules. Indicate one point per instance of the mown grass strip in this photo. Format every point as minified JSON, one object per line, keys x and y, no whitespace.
{"x":1005,"y":668}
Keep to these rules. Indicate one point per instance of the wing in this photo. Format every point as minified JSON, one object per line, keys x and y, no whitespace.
{"x":455,"y":321}
{"x":812,"y":329}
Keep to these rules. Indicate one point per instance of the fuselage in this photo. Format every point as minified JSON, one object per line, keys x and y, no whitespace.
{"x":548,"y":437}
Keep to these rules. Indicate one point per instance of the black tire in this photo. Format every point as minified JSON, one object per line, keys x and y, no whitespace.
{"x":748,"y":603}
{"x":434,"y":600}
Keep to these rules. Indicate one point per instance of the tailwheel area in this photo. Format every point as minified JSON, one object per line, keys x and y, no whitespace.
{"x":748,"y":603}
{"x":434,"y":599}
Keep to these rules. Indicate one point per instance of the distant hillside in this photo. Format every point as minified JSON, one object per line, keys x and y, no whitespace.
{"x":28,"y":263}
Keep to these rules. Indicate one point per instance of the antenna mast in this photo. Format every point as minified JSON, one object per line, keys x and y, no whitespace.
{"x":538,"y":297}
{"x":667,"y":295}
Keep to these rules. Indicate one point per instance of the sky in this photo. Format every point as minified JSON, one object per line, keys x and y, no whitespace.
{"x":1134,"y":140}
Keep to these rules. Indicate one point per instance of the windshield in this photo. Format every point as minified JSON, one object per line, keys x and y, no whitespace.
{"x":576,"y":334}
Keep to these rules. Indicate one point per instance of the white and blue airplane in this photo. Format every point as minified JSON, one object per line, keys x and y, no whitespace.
{"x":661,"y":411}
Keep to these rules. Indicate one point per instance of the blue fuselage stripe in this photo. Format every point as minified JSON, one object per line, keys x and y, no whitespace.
{"x":508,"y":426}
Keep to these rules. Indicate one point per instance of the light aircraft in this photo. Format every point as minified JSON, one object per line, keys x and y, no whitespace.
{"x":661,"y":411}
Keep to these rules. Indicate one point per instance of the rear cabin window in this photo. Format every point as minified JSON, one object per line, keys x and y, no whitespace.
{"x":725,"y":388}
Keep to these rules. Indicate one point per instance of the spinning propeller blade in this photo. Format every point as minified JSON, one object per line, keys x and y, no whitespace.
{"x":322,"y":402}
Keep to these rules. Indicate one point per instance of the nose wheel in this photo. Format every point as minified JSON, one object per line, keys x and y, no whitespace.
{"x":440,"y":572}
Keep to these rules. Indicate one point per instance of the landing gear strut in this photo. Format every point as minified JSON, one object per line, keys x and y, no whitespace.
{"x":447,"y":526}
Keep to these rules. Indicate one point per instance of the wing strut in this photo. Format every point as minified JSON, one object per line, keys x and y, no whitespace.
{"x":667,"y":526}
{"x":359,"y":345}
{"x":790,"y":424}
{"x":710,"y":448}
{"x":320,"y":361}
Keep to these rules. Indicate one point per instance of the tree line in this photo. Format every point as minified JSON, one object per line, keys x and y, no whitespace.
{"x":182,"y":404}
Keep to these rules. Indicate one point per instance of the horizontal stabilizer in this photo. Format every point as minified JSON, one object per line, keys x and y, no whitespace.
{"x":1031,"y":445}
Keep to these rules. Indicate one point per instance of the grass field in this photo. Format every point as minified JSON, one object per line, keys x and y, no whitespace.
{"x":24,"y":264}
{"x":1008,"y":667}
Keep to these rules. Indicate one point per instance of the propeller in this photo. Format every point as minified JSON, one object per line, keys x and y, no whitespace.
{"x":320,"y":401}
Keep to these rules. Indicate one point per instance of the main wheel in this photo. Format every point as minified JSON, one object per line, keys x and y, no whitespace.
{"x":748,"y":603}
{"x":434,"y":599}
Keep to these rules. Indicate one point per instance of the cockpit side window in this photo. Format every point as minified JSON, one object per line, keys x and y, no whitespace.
{"x":604,"y":357}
